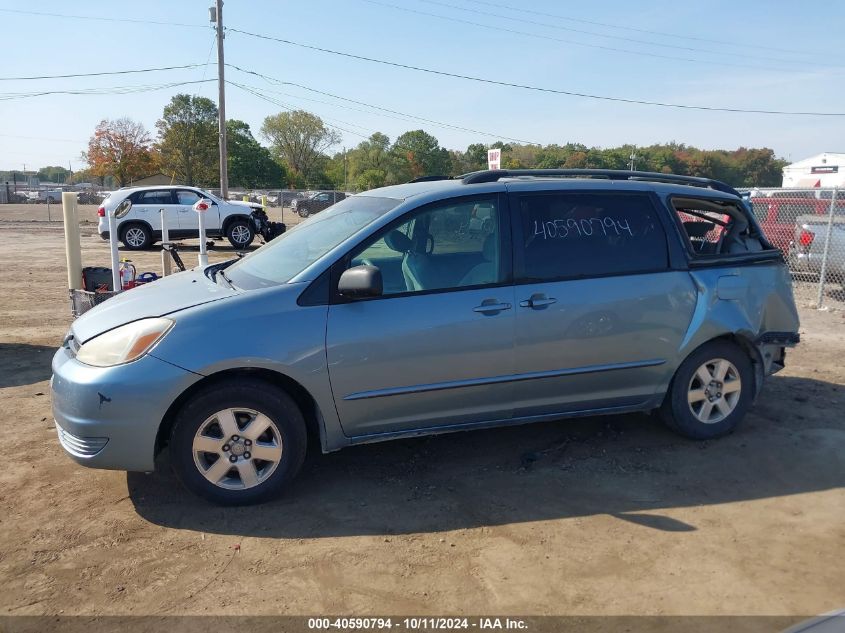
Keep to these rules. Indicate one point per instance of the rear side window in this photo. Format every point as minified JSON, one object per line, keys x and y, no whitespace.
{"x":154,"y":197}
{"x":566,"y":235}
{"x":716,"y":227}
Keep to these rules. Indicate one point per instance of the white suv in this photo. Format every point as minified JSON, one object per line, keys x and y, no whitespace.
{"x":141,"y":227}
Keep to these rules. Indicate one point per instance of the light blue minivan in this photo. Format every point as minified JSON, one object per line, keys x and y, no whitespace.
{"x":499,"y":298}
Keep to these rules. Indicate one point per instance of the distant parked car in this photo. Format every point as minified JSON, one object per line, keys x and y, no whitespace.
{"x":808,"y":246}
{"x":777,"y":215}
{"x":316,"y":202}
{"x":53,"y":196}
{"x":286,"y":198}
{"x":141,"y":227}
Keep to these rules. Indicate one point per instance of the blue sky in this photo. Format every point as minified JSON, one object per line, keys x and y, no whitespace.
{"x":806,"y":75}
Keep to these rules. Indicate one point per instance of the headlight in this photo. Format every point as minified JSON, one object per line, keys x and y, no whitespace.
{"x":123,"y":344}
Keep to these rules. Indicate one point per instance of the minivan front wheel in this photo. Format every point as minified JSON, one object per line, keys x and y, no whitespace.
{"x":711,"y":391}
{"x":238,"y":443}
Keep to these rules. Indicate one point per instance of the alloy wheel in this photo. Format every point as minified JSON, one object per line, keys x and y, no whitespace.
{"x":135,"y":237}
{"x":714,"y":391}
{"x":240,"y":234}
{"x":237,"y":449}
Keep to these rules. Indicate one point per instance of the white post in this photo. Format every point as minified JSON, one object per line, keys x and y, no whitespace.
{"x":200,"y":207}
{"x":73,"y":249}
{"x":115,"y":255}
{"x":825,"y":252}
{"x":203,"y":256}
{"x":165,"y":238}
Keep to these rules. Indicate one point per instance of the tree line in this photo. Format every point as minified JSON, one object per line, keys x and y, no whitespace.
{"x":299,"y":154}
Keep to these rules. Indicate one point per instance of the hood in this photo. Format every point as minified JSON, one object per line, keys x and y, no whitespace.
{"x":159,"y":298}
{"x":241,"y":203}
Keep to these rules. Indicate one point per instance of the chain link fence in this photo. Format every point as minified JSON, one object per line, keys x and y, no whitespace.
{"x":283,"y":197}
{"x":808,"y":225}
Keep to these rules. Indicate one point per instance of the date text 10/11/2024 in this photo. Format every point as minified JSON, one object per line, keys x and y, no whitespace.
{"x":417,"y":623}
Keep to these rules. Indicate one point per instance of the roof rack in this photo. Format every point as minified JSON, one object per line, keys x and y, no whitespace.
{"x":492,"y":175}
{"x":431,"y":178}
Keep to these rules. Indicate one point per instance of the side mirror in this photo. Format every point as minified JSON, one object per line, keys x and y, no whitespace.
{"x":360,"y":282}
{"x":123,"y":208}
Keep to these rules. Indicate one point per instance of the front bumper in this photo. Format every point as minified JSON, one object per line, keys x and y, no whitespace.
{"x":108,"y":417}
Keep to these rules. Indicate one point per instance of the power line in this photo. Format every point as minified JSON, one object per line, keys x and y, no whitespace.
{"x":566,"y":41}
{"x":485,"y":3}
{"x":101,"y":74}
{"x":287,"y":107}
{"x":380,"y":108}
{"x":291,"y":107}
{"x":117,"y":90}
{"x":102,"y":19}
{"x":508,"y":84}
{"x":42,"y":138}
{"x":546,"y":24}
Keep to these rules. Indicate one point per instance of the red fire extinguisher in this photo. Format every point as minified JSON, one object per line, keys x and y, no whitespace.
{"x":127,"y":274}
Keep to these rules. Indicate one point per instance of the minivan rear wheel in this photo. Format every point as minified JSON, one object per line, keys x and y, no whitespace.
{"x":711,"y":391}
{"x":238,"y":443}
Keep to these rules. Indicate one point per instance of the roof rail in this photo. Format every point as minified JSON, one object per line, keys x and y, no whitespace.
{"x":492,"y":175}
{"x":430,"y":178}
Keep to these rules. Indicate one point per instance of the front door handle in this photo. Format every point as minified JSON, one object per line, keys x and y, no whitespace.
{"x":491,"y":306}
{"x":538,"y":301}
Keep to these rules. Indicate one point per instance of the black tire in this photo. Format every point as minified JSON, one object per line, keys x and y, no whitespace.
{"x":136,"y":236}
{"x":258,"y":396}
{"x":678,"y":413}
{"x":240,"y":234}
{"x":303,"y":212}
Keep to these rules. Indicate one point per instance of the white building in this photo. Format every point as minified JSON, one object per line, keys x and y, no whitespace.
{"x":822,"y":170}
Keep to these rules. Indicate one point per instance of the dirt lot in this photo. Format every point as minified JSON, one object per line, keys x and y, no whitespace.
{"x":611,"y":515}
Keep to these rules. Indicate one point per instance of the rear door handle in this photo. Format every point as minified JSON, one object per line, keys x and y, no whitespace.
{"x":491,"y":306}
{"x":537,"y":301}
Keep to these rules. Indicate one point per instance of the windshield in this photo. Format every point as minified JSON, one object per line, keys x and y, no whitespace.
{"x":292,"y":252}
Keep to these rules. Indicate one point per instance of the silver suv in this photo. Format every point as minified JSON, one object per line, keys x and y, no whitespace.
{"x":398,"y":313}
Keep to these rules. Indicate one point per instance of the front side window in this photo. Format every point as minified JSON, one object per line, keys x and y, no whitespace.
{"x":571,"y":235}
{"x":184,"y":196}
{"x":454,"y":244}
{"x":292,"y":252}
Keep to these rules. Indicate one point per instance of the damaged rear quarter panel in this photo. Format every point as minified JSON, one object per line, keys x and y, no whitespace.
{"x":747,"y":300}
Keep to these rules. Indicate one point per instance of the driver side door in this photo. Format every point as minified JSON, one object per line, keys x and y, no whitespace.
{"x":436,"y":348}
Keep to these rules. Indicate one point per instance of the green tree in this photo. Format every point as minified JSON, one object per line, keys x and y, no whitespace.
{"x":250,"y":164}
{"x":53,"y":173}
{"x":475,"y":158}
{"x":188,"y":140}
{"x":298,"y":139}
{"x":416,"y":154}
{"x":371,"y":179}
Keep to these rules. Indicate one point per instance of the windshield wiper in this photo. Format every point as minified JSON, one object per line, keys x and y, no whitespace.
{"x":222,"y":274}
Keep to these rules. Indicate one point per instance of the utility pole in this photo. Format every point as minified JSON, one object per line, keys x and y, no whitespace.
{"x":216,"y":14}
{"x":633,"y":157}
{"x":345,"y":179}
